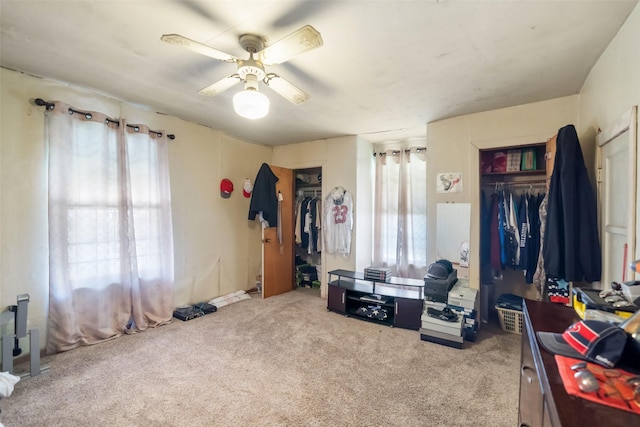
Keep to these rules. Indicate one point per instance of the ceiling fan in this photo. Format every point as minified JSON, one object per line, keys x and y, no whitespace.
{"x":251,"y":103}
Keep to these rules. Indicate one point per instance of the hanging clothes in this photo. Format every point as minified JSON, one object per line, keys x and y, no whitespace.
{"x":532,"y":249}
{"x":297,"y":224}
{"x":540,"y":277}
{"x":509,"y":234}
{"x":308,"y":213}
{"x":313,"y":230}
{"x":502,"y":226}
{"x":513,"y":233}
{"x":523,"y":225}
{"x":318,"y":224}
{"x":485,"y":240}
{"x":494,"y":232}
{"x":572,"y":245}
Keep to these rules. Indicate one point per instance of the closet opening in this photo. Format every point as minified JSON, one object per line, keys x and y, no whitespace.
{"x":308,"y":229}
{"x":512,"y":187}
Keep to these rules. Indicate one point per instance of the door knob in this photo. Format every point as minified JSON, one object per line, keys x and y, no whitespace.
{"x":266,"y":240}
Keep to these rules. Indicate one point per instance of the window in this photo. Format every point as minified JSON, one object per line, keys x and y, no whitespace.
{"x":110,"y":235}
{"x":400,"y":212}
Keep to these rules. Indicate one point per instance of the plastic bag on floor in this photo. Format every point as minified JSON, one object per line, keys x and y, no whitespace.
{"x":7,"y":381}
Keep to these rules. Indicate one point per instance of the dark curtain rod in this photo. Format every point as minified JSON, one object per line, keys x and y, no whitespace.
{"x":49,"y":106}
{"x":395,"y":152}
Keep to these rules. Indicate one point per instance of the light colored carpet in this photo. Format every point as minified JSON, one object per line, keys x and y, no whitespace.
{"x":281,"y":361}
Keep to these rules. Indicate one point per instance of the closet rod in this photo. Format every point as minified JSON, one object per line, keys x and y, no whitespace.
{"x":536,"y":182}
{"x":507,"y":185}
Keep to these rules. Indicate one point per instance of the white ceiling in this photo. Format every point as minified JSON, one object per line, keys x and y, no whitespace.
{"x":386,"y":68}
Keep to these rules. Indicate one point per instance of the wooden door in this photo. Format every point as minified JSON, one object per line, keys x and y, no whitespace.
{"x":617,"y":198}
{"x":277,"y":258}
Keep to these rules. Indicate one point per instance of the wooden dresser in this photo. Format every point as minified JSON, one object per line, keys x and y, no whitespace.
{"x":543,"y":400}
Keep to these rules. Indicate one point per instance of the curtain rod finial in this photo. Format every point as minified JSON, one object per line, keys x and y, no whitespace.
{"x":42,"y":103}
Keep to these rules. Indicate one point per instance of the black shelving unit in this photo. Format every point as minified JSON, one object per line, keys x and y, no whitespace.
{"x":401,"y":298}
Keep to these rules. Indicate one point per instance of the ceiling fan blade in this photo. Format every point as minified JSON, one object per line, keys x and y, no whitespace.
{"x":286,"y":89}
{"x":301,"y":40}
{"x":221,"y":85}
{"x":198,"y":47}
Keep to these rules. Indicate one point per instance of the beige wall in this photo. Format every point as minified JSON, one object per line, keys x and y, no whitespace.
{"x":613,"y":84}
{"x":612,"y":88}
{"x":453,"y":146}
{"x":217,"y":250}
{"x":344,"y":163}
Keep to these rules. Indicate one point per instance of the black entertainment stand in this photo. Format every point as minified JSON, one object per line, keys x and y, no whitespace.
{"x":400,"y":300}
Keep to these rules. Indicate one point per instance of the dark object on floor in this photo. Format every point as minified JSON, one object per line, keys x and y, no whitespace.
{"x":445,"y":314}
{"x":189,"y":312}
{"x":205,"y":308}
{"x":186,"y":313}
{"x":469,"y":334}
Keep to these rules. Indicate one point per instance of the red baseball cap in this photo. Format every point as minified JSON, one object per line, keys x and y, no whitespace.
{"x":226,"y":188}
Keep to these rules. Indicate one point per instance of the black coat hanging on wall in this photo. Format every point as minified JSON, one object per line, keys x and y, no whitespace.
{"x":263,"y":197}
{"x":571,"y":242}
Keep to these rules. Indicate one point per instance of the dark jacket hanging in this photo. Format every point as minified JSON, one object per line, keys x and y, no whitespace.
{"x":571,"y":244}
{"x":263,"y":197}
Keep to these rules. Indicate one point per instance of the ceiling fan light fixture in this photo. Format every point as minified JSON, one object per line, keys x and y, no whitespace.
{"x":251,"y":104}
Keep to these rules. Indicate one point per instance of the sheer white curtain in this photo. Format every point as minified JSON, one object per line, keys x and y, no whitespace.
{"x":400,"y":212}
{"x":110,"y":236}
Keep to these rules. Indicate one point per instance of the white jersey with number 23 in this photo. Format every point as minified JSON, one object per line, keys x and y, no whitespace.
{"x":338,"y":221}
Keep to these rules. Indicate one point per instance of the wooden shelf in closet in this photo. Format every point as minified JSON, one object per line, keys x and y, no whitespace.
{"x":526,"y":175}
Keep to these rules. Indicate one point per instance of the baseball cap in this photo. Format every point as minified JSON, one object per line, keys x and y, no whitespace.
{"x":226,"y":188}
{"x":247,"y":188}
{"x":591,"y":340}
{"x":440,"y":269}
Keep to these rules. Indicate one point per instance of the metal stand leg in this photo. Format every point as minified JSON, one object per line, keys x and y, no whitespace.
{"x":34,"y":351}
{"x":7,"y":353}
{"x":10,"y":342}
